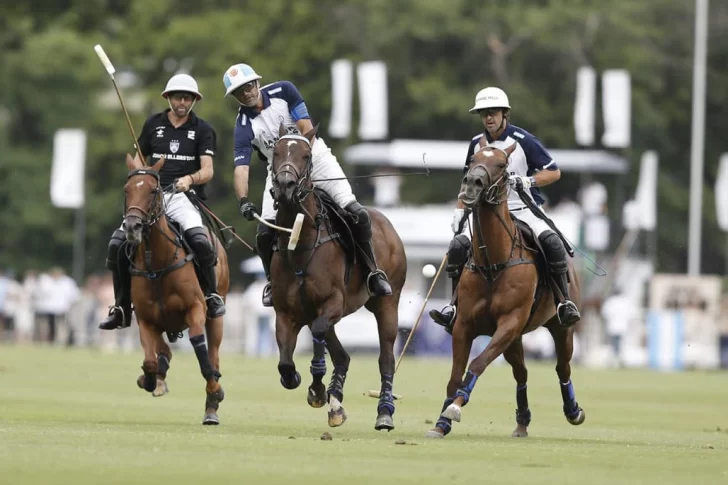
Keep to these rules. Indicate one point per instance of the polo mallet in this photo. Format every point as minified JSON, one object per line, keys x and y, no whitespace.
{"x":373,"y":393}
{"x":111,"y":70}
{"x":295,"y":231}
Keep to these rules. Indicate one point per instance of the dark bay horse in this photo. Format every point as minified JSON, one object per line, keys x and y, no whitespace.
{"x":501,"y":296}
{"x":165,"y":291}
{"x":315,"y":286}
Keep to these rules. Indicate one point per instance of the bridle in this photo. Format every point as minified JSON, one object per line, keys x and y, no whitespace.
{"x":156,"y":208}
{"x":303,"y":177}
{"x":496,"y":191}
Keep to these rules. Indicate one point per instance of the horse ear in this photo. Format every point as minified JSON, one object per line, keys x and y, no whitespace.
{"x":282,"y":131}
{"x":158,"y":166}
{"x":311,"y":133}
{"x":131,"y":162}
{"x":510,"y":149}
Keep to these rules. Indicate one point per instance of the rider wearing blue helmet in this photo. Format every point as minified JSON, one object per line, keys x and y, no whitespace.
{"x":261,"y":112}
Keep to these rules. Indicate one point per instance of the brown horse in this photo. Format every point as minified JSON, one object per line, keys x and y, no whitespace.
{"x":316,"y":285}
{"x":165,"y":292}
{"x":502,"y":295}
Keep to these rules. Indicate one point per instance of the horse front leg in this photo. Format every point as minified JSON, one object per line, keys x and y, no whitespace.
{"x":340,"y":359}
{"x":214,"y":329}
{"x":462,"y":342}
{"x":317,"y":391}
{"x":164,"y":357}
{"x":514,"y":356}
{"x":195,"y":320}
{"x":149,"y":339}
{"x":508,"y":330}
{"x":286,"y":339}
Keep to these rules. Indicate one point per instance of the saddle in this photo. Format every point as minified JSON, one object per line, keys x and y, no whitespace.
{"x":532,"y":243}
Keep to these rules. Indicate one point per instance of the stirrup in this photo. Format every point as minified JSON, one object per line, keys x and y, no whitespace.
{"x":372,"y":277}
{"x":440,"y":318}
{"x":267,"y":295}
{"x":124,"y":320}
{"x":215,"y":300}
{"x":561,"y":310}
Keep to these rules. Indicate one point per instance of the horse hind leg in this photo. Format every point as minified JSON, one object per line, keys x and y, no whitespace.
{"x":214,"y":328}
{"x":335,"y":391}
{"x":514,"y":356}
{"x":316,"y":396}
{"x":564,"y":346}
{"x":386,"y":313}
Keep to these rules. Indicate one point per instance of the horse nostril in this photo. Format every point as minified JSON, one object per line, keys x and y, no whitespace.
{"x":137,"y":226}
{"x":289,"y":184}
{"x":479,"y":183}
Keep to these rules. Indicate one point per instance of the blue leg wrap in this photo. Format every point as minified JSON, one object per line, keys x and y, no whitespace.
{"x":445,"y":424}
{"x":467,"y":387}
{"x":386,"y":400}
{"x":571,"y":407}
{"x":523,"y":414}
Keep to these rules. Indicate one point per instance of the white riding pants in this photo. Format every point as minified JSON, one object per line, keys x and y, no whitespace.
{"x":181,"y":210}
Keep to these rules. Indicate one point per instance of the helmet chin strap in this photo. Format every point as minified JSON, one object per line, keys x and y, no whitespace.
{"x":169,"y":102}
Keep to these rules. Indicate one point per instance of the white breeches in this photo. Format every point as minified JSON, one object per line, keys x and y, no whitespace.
{"x":181,"y":210}
{"x":538,"y":225}
{"x":325,"y":166}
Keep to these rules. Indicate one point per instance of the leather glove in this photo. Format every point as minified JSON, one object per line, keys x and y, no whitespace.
{"x":248,"y":209}
{"x":457,"y":216}
{"x":522,"y":183}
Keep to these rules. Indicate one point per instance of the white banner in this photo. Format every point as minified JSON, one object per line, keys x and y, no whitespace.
{"x":68,"y":171}
{"x":342,"y":80}
{"x":373,"y":107}
{"x":617,"y":108}
{"x":584,"y":105}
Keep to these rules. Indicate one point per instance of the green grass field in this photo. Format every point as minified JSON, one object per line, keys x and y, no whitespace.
{"x":77,"y":417}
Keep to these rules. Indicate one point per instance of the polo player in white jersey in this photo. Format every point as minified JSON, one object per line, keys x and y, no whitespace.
{"x":530,"y":166}
{"x":261,"y":112}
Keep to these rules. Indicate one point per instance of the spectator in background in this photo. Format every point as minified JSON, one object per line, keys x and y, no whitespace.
{"x":55,"y":292}
{"x":618,"y":311}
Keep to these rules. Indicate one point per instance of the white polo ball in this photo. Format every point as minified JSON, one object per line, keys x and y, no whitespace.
{"x":428,"y":271}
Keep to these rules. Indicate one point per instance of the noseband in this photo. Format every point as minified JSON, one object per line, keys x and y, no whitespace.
{"x":289,"y":167}
{"x":149,"y":218}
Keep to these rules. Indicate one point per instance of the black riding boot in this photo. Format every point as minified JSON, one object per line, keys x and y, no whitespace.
{"x":264,"y":244}
{"x":566,"y":310}
{"x":457,"y":256}
{"x":118,"y":264}
{"x":198,"y":240}
{"x":377,"y":282}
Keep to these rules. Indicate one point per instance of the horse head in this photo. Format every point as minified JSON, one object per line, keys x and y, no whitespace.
{"x":486,"y":181}
{"x":143,"y":202}
{"x":291,"y":166}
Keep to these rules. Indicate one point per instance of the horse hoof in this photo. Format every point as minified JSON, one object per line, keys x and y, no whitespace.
{"x":578,"y":419}
{"x":147,"y":385}
{"x":520,"y":432}
{"x":161,"y":388}
{"x":337,"y":418}
{"x":292,"y":383}
{"x":435,"y":433}
{"x":384,"y":421}
{"x":314,"y":399}
{"x":211,"y":419}
{"x":140,"y":381}
{"x":453,"y":412}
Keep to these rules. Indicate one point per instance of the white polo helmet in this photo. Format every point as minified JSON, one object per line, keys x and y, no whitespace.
{"x":182,"y":83}
{"x":237,"y":75}
{"x":490,"y":98}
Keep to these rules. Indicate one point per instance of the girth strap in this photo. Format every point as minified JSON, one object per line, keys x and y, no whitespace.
{"x":154,"y":275}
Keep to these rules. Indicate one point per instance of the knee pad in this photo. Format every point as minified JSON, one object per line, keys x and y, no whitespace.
{"x":555,"y":251}
{"x":118,"y":239}
{"x":362,"y":220}
{"x":200,"y":244}
{"x":457,"y":254}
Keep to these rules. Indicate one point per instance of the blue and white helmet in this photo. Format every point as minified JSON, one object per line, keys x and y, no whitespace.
{"x":237,"y":75}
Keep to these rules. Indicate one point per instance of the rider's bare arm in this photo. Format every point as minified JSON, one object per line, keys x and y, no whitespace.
{"x":304,"y":126}
{"x":241,"y":180}
{"x":546,"y":177}
{"x":205,"y":173}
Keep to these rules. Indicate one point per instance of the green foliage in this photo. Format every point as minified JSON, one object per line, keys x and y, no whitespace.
{"x":439,"y":55}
